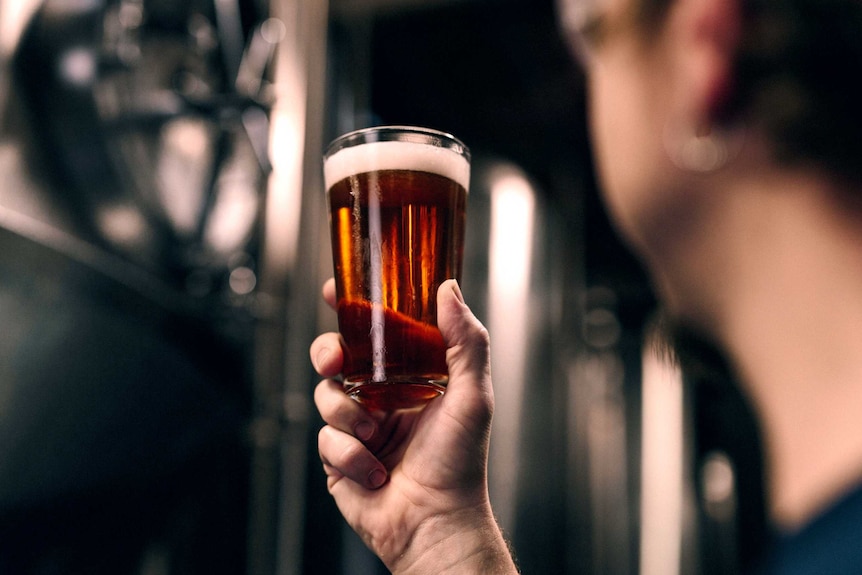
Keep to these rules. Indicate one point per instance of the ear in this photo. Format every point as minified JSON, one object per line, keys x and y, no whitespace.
{"x":710,"y":32}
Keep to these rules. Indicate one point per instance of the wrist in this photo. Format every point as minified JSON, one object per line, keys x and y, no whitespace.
{"x":464,"y":542}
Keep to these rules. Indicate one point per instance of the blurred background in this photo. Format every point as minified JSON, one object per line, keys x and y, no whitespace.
{"x":163,"y":241}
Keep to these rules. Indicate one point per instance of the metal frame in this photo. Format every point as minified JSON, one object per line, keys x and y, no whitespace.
{"x":290,"y":279}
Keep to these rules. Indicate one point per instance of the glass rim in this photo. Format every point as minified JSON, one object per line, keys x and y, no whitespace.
{"x":403,"y":133}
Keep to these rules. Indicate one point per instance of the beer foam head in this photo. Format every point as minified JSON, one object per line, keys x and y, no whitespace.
{"x":391,"y":155}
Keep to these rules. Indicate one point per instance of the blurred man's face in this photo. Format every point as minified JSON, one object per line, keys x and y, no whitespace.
{"x":627,"y":104}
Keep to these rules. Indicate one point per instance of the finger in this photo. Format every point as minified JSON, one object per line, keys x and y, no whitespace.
{"x":344,"y":455}
{"x":326,"y":354}
{"x":328,"y":292}
{"x":468,"y":348}
{"x":466,"y":339}
{"x":342,"y":412}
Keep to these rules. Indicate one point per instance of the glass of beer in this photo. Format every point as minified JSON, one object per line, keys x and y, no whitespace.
{"x":397,"y":198}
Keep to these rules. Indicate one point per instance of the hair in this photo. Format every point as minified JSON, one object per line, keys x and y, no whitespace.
{"x":797,"y":77}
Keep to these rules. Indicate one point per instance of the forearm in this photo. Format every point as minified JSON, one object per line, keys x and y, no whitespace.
{"x":466,"y":542}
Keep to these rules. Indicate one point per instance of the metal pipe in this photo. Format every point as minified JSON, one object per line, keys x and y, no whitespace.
{"x":289,"y":281}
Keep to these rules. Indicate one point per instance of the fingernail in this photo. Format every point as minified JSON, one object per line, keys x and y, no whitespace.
{"x":364,"y":430}
{"x":456,"y":289}
{"x":322,"y":356}
{"x":376,"y":478}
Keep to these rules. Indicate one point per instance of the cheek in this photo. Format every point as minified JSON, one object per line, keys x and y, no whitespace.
{"x":616,"y":136}
{"x":628,"y":153}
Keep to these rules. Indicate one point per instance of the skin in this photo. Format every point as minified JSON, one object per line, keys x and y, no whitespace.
{"x":413,"y":484}
{"x":761,"y":257}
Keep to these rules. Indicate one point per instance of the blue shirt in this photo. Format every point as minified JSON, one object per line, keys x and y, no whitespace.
{"x":831,"y":544}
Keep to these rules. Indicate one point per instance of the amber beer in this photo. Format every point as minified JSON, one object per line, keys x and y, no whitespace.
{"x":397,"y":199}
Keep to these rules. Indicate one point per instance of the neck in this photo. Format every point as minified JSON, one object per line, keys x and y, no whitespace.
{"x":783,"y":295}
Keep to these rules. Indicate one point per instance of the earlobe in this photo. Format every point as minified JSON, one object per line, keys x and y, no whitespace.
{"x":714,"y":31}
{"x":698,"y":134}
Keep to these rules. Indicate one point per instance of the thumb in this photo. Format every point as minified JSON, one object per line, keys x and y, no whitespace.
{"x":468,"y":354}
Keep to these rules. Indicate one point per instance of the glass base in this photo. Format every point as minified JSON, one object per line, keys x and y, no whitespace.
{"x":395,"y":395}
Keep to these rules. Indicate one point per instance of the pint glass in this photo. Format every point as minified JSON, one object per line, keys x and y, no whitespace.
{"x":397,"y":198}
